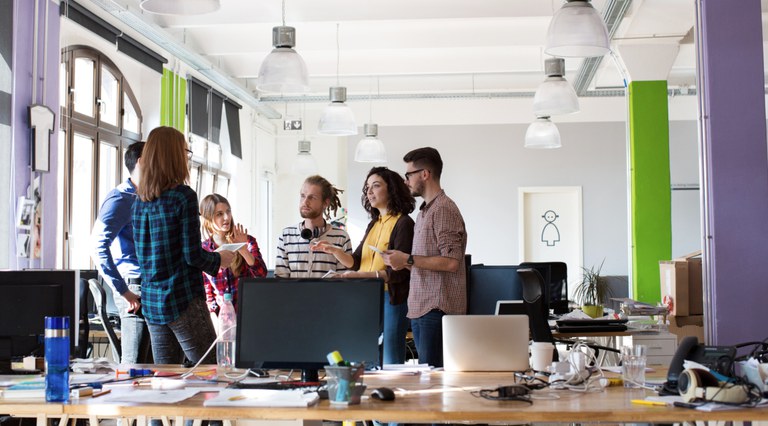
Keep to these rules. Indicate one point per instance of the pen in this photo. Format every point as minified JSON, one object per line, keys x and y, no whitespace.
{"x":98,"y":394}
{"x":654,"y":403}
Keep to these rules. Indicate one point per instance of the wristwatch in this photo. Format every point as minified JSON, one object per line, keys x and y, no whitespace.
{"x":410,"y":260}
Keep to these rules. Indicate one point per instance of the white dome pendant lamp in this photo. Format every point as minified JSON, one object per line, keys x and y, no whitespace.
{"x":577,"y":30}
{"x":542,"y":134}
{"x":338,"y":118}
{"x":283,"y":70}
{"x":371,"y":149}
{"x":555,"y":96}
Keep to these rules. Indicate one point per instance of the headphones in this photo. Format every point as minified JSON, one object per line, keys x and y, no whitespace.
{"x":308,"y":234}
{"x":697,"y":384}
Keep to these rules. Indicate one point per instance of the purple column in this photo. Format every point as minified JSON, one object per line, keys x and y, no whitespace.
{"x":735,"y":169}
{"x":23,"y":39}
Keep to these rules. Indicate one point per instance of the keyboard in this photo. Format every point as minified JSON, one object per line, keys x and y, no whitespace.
{"x":283,"y":385}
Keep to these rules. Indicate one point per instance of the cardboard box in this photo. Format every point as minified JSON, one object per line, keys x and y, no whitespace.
{"x":681,"y":280}
{"x":687,"y":326}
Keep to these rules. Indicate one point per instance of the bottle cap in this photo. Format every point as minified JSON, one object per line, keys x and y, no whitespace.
{"x":228,"y":296}
{"x":334,"y":358}
{"x":57,"y":323}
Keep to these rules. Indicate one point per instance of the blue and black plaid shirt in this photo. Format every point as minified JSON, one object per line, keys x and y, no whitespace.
{"x":166,"y":233}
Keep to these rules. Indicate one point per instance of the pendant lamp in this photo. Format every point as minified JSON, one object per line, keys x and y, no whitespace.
{"x":555,"y":96}
{"x":180,"y":7}
{"x":304,"y":164}
{"x":577,"y":30}
{"x":338,"y":118}
{"x":542,"y":134}
{"x":370,"y":149}
{"x":283,"y":70}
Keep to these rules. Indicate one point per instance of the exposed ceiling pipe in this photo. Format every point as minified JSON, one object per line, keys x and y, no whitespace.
{"x":613,"y":14}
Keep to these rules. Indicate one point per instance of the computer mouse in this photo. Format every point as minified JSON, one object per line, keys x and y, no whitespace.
{"x":383,"y":394}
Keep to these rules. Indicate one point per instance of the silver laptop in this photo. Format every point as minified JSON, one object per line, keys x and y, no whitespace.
{"x":510,"y":307}
{"x":485,"y":342}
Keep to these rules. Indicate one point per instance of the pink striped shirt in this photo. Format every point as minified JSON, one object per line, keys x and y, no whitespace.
{"x":439,"y":231}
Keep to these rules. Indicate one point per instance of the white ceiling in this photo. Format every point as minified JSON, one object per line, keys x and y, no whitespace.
{"x":405,"y":47}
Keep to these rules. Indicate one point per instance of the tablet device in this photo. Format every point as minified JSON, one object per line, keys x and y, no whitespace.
{"x":230,"y":247}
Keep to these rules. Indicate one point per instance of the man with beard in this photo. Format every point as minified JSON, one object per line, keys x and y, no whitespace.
{"x":295,"y":257}
{"x":438,"y":273}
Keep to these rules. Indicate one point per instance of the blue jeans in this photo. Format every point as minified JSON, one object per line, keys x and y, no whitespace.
{"x":193,"y":331}
{"x":395,"y":329}
{"x":133,"y":331}
{"x":428,"y":336}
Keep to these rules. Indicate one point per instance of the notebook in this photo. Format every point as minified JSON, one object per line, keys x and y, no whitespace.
{"x":485,"y":343}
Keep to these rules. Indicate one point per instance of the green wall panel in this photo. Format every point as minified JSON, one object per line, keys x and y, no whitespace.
{"x":651,"y":215}
{"x":173,"y":100}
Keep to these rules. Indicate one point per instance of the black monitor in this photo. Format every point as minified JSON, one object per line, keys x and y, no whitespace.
{"x":555,"y":275}
{"x":295,"y":323}
{"x":28,"y":297}
{"x":489,"y":284}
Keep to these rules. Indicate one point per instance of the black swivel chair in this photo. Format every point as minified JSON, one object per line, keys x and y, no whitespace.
{"x":535,"y":305}
{"x":100,"y":301}
{"x":538,"y":312}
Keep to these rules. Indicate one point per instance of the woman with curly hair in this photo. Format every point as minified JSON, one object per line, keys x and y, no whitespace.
{"x":388,"y":201}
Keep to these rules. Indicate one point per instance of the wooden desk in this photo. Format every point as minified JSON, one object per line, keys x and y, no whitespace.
{"x":438,"y":397}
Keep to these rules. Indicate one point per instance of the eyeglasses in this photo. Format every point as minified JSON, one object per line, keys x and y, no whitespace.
{"x":411,"y":173}
{"x":189,"y":154}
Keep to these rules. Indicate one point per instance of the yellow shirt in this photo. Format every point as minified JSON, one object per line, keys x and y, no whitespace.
{"x":378,"y":237}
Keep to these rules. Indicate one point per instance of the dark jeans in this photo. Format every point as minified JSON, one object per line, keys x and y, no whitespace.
{"x":134,"y":336}
{"x":428,"y":335}
{"x":193,"y":331}
{"x":395,"y":329}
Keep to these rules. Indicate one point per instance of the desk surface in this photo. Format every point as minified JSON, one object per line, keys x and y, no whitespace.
{"x":431,"y":398}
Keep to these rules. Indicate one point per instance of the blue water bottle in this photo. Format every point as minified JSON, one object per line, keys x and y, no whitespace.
{"x":56,"y":359}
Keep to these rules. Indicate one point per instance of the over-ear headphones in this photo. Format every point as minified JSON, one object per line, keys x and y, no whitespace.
{"x":697,"y":384}
{"x":308,"y":234}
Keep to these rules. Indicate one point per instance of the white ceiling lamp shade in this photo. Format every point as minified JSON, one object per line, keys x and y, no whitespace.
{"x":304,"y":164}
{"x":371,"y":149}
{"x":338,"y":118}
{"x":542,"y":134}
{"x":180,"y":7}
{"x":555,"y":96}
{"x":577,"y":30}
{"x":283,"y":70}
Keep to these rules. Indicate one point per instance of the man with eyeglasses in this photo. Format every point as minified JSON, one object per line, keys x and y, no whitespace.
{"x":438,"y":274}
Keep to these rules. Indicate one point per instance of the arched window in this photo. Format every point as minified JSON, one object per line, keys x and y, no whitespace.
{"x":100,"y":119}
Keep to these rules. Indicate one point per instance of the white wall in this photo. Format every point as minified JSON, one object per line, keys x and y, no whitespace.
{"x":485,"y":165}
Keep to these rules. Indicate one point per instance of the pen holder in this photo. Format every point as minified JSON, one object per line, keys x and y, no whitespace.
{"x":344,"y":384}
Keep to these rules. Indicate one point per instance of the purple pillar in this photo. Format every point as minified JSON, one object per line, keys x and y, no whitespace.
{"x":47,"y":86}
{"x":735,"y":169}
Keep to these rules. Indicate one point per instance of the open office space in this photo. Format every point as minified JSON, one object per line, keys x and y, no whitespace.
{"x":674,"y":162}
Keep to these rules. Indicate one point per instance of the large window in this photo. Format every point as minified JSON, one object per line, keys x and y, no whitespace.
{"x":100,"y":118}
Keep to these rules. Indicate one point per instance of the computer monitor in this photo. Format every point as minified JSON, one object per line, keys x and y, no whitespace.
{"x":555,"y":275}
{"x":28,"y":297}
{"x":295,"y":323}
{"x":490,"y":283}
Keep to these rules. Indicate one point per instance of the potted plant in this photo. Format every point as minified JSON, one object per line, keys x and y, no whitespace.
{"x":592,"y":292}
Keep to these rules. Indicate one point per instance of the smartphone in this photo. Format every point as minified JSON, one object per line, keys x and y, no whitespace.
{"x":376,"y":249}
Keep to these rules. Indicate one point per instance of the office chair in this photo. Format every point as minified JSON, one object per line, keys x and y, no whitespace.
{"x":538,"y":310}
{"x":100,"y":301}
{"x":538,"y":313}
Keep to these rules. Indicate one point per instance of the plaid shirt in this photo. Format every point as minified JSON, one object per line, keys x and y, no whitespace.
{"x":166,"y":233}
{"x":225,"y":280}
{"x":439,"y":231}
